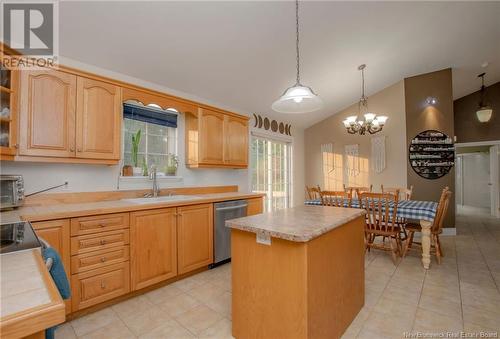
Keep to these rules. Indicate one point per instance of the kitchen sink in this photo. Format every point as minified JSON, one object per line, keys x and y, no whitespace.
{"x":159,"y":199}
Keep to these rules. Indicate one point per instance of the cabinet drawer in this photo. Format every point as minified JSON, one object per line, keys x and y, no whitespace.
{"x":92,"y":242}
{"x":98,"y":259}
{"x":99,"y":223}
{"x":96,"y":286}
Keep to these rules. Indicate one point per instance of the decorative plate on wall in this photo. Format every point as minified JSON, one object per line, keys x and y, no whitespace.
{"x":431,"y":154}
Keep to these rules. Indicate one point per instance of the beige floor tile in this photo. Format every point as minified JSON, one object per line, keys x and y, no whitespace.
{"x":143,"y":322}
{"x":187,"y":284}
{"x":132,"y":306}
{"x":220,"y":330}
{"x":481,"y":317}
{"x":179,"y":304}
{"x":94,"y":321}
{"x":396,"y":309}
{"x":114,"y":330}
{"x":441,"y":305}
{"x":199,"y":318}
{"x":392,"y":325}
{"x":221,"y":304}
{"x":429,"y":321}
{"x":163,"y":294}
{"x":65,"y":331}
{"x":205,"y":292}
{"x":169,"y":330}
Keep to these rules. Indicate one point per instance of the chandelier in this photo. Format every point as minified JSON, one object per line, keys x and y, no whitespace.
{"x":372,"y":123}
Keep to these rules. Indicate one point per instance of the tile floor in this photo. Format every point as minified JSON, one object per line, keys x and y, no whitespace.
{"x":461,"y":294}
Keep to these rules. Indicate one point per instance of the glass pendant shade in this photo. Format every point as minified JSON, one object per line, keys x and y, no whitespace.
{"x":298,"y":99}
{"x":484,"y":114}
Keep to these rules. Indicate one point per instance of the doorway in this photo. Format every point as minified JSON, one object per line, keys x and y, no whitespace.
{"x":477,"y":178}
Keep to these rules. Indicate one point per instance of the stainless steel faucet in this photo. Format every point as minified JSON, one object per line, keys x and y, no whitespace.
{"x":152,"y":176}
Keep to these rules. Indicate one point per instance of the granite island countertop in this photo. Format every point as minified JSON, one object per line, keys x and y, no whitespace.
{"x":299,"y":224}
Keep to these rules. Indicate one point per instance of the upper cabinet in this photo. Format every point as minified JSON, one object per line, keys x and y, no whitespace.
{"x":67,"y":116}
{"x":47,"y":114}
{"x":216,"y":139}
{"x":98,"y":120}
{"x":8,"y":110}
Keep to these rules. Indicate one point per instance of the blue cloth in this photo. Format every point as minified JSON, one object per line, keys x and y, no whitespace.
{"x":407,"y":209}
{"x":60,"y":279}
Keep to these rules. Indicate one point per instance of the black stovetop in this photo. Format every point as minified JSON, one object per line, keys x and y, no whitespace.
{"x":17,"y":237}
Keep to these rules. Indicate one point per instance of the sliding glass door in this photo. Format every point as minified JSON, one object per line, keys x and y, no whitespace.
{"x":271,"y":171}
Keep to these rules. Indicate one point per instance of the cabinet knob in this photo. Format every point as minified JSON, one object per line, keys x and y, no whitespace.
{"x":79,"y":150}
{"x":71,"y":149}
{"x":103,"y":284}
{"x":103,"y":259}
{"x":102,"y":225}
{"x":103,"y":242}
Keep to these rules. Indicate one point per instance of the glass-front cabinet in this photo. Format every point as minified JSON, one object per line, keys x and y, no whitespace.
{"x":8,"y":108}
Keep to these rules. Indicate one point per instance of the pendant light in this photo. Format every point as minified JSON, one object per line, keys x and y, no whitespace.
{"x":298,"y":98}
{"x":484,"y":112}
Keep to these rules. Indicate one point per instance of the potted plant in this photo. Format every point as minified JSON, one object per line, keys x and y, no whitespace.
{"x":136,"y":140}
{"x":172,"y":164}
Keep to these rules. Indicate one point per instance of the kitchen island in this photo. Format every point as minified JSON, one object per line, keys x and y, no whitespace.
{"x":297,"y":272}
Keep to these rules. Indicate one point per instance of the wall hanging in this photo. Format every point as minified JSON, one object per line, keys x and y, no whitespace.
{"x":431,"y":154}
{"x":271,"y":125}
{"x":378,"y":154}
{"x":352,"y":165}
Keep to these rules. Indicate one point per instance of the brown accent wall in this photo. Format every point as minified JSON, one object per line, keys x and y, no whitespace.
{"x":421,"y":117}
{"x":467,"y":127}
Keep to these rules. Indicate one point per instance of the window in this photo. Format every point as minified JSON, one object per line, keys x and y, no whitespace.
{"x":157,"y":140}
{"x":270,"y":166}
{"x":328,"y":162}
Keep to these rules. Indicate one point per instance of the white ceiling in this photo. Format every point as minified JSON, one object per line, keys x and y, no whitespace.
{"x":241,"y":54}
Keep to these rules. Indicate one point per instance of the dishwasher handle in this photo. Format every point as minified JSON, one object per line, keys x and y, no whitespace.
{"x":228,"y":208}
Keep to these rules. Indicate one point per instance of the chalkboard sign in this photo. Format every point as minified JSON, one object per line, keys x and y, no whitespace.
{"x":432,"y":154}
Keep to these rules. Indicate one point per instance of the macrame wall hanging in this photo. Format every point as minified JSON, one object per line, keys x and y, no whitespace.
{"x":352,"y":165}
{"x":378,"y":154}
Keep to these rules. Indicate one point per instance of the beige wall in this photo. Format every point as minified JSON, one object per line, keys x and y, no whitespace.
{"x":391,"y":102}
{"x":421,"y":117}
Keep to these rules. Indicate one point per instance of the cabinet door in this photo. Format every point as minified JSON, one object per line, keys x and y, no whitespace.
{"x":56,"y":233}
{"x":211,"y":137}
{"x":153,"y":248}
{"x":195,"y":237}
{"x":236,"y":141}
{"x":47,"y":114}
{"x":98,"y":119}
{"x":9,"y":87}
{"x":255,"y":206}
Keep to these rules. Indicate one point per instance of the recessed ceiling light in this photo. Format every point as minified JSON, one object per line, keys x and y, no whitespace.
{"x":485,"y":64}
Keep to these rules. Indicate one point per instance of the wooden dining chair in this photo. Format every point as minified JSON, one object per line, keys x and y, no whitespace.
{"x":313,"y":192}
{"x":404,"y":193}
{"x":436,"y":228}
{"x":358,"y":189}
{"x":381,"y":221}
{"x":335,"y":198}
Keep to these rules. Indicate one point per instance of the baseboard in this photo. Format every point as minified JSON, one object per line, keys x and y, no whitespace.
{"x":449,"y":231}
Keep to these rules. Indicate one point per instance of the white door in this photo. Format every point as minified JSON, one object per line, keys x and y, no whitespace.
{"x":494,"y":180}
{"x":476,"y":180}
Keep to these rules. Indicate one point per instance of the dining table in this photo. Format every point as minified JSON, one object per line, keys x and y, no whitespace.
{"x":424,"y":211}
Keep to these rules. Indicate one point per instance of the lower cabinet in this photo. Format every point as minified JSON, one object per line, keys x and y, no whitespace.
{"x":153,"y":246}
{"x":195,"y":232}
{"x":255,"y":206}
{"x":96,"y":286}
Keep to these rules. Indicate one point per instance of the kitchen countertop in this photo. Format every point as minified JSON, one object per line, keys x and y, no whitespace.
{"x":299,"y":224}
{"x":61,"y":211}
{"x":29,"y":298}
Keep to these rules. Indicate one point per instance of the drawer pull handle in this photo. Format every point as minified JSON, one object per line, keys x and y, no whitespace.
{"x":103,"y":259}
{"x":102,"y":225}
{"x":103,"y":285}
{"x":103,"y":242}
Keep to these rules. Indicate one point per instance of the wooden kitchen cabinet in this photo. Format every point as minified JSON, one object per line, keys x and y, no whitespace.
{"x":98,"y":119}
{"x":236,"y":141}
{"x":216,"y":139}
{"x":9,"y":87}
{"x":153,"y":246}
{"x":195,"y":237}
{"x":255,"y":206}
{"x":47,"y":113}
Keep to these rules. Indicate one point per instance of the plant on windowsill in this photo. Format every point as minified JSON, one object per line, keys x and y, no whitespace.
{"x":136,"y":140}
{"x":172,"y":164}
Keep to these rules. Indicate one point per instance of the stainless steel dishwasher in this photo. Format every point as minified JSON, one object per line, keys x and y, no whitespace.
{"x":223,"y":211}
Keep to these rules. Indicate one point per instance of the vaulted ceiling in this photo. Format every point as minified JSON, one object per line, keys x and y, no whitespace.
{"x":240,"y":54}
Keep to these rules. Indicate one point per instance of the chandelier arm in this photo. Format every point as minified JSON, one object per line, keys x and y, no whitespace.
{"x":297,"y":40}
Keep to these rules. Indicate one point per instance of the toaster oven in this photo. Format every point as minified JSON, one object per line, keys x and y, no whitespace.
{"x":11,"y":191}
